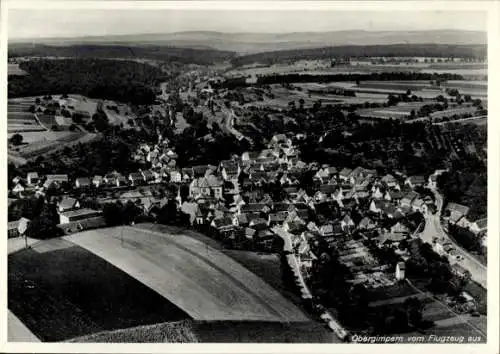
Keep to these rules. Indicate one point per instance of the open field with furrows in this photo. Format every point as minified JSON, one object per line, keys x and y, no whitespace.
{"x":60,"y":291}
{"x":199,"y":279}
{"x":188,"y":331}
{"x":323,"y":67}
{"x":48,"y":141}
{"x":455,"y":111}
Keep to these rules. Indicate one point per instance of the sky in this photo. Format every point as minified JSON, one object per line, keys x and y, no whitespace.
{"x":49,"y":22}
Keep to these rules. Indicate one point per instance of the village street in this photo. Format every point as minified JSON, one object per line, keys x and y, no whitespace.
{"x":433,"y":228}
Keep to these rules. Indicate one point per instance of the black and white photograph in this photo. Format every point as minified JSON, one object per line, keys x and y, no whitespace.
{"x":197,"y":174}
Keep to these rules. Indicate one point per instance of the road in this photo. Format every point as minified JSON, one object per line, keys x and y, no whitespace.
{"x":326,"y":316}
{"x":433,"y":228}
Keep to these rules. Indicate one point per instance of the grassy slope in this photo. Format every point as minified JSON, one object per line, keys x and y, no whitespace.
{"x":60,"y":291}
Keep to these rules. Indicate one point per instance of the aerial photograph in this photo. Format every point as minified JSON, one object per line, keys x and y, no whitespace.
{"x":241,"y":176}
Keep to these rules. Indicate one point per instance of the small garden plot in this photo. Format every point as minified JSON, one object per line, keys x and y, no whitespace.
{"x":64,"y":292}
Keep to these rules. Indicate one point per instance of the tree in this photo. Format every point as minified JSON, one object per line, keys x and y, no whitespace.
{"x":44,"y":225}
{"x":414,"y":309}
{"x":16,"y":139}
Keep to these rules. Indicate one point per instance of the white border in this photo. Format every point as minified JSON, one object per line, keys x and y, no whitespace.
{"x":492,"y":7}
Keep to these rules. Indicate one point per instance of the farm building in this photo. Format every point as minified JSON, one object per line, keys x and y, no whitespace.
{"x":78,"y":215}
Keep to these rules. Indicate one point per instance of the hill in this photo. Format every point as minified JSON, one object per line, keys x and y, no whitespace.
{"x":135,"y":51}
{"x":477,"y":51}
{"x":248,"y":42}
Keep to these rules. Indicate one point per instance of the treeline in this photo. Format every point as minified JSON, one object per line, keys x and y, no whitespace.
{"x":395,"y":50}
{"x":124,"y":81}
{"x":466,"y":183}
{"x":151,"y":52}
{"x":300,"y":78}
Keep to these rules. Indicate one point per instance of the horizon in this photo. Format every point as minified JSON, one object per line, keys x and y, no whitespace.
{"x":36,"y":24}
{"x":240,"y":33}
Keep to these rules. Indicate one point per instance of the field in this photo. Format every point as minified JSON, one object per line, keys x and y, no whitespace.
{"x":215,"y":286}
{"x":13,"y":69}
{"x":216,"y":332}
{"x":19,"y":119}
{"x":61,"y":291}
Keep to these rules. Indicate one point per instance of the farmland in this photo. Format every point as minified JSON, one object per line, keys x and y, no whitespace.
{"x":58,"y":277}
{"x":188,"y":331}
{"x":14,"y":69}
{"x":216,"y":287}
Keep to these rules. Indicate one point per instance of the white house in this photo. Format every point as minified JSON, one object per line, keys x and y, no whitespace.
{"x":400,"y":270}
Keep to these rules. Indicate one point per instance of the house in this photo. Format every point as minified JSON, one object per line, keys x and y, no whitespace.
{"x":479,"y":226}
{"x":249,"y":156}
{"x":400,"y":270}
{"x":345,"y":173}
{"x":347,"y":223}
{"x":378,"y":193}
{"x":231,"y":172}
{"x":400,"y":230}
{"x":78,"y":215}
{"x":258,"y":221}
{"x":150,"y":177}
{"x":415,"y":181}
{"x":83,"y":182}
{"x":57,"y":181}
{"x":97,"y":181}
{"x":419,"y":205}
{"x":203,"y":170}
{"x":175,"y":176}
{"x":224,"y":225}
{"x":17,"y":228}
{"x":84,"y":224}
{"x":408,"y":199}
{"x":393,"y":195}
{"x":187,"y":174}
{"x":389,"y":180}
{"x":255,"y":208}
{"x":326,"y":230}
{"x":433,"y":181}
{"x":18,"y":189}
{"x":367,"y":224}
{"x":206,"y":186}
{"x":277,"y":218}
{"x":115,"y":179}
{"x":457,"y":212}
{"x":136,"y":179}
{"x":32,"y":178}
{"x":67,"y":203}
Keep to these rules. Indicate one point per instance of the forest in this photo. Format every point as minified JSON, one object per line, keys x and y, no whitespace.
{"x":151,"y":52}
{"x":297,"y":78}
{"x":124,"y":81}
{"x":394,"y":50}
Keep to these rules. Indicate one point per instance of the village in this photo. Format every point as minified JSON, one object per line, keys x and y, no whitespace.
{"x":268,"y":201}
